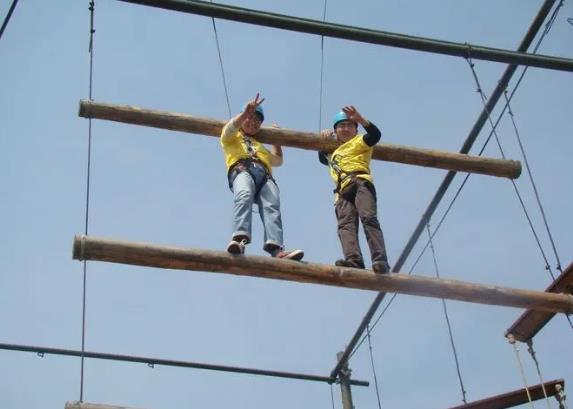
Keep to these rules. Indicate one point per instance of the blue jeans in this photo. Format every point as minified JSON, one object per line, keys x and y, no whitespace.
{"x":245,"y":185}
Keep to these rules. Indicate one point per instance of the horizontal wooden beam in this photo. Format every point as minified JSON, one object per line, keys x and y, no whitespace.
{"x":299,"y":139}
{"x":143,"y":254}
{"x":531,"y":322}
{"x":515,"y":398}
{"x":84,"y":405}
{"x":360,"y":34}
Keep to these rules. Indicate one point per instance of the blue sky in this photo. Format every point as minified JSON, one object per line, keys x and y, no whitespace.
{"x":169,"y":188}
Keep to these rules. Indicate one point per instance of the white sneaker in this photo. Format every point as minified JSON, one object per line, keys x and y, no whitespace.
{"x":290,"y":255}
{"x":237,"y":247}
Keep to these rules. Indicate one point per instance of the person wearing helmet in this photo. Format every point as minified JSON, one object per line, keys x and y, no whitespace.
{"x":249,"y":173}
{"x":355,"y":192}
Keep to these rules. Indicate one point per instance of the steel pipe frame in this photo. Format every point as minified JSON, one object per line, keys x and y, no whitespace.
{"x":174,"y":363}
{"x":359,"y":34}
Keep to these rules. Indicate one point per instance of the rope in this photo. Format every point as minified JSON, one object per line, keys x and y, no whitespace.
{"x":7,"y":18}
{"x":516,"y":189}
{"x":373,"y":366}
{"x":91,"y":52}
{"x":534,"y":357}
{"x":548,"y":26}
{"x":332,"y":396}
{"x":511,"y":340}
{"x":447,"y":317}
{"x":321,"y":71}
{"x":530,"y":174}
{"x":221,"y":65}
{"x":561,"y":396}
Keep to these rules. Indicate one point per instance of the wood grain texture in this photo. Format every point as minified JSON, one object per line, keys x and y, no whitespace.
{"x":299,"y":139}
{"x":514,"y":398}
{"x":150,"y":255}
{"x":531,"y":321}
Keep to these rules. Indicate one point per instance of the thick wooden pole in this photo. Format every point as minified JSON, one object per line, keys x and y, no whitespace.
{"x":515,"y":398}
{"x":531,"y":322}
{"x":298,"y":139}
{"x":143,"y":254}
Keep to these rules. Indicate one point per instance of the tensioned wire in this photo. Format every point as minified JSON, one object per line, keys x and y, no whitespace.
{"x":447,"y":318}
{"x":7,"y":18}
{"x":483,"y":97}
{"x":84,"y":281}
{"x":221,"y":66}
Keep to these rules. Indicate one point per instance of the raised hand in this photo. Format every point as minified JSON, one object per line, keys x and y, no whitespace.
{"x":252,"y":105}
{"x":327,"y":134}
{"x":353,"y":114}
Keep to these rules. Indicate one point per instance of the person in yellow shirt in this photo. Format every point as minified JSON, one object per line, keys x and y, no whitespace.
{"x":355,"y":198}
{"x":249,"y":172}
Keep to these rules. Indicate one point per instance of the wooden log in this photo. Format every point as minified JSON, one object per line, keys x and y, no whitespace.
{"x":531,"y":322}
{"x":298,"y":139}
{"x":84,"y":405}
{"x":514,"y":398}
{"x":143,"y":254}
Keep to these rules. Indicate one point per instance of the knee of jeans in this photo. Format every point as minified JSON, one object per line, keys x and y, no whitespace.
{"x":271,"y":208}
{"x":243,"y":195}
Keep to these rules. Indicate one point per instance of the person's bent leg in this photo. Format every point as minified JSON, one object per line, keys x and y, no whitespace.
{"x":367,"y":210}
{"x":270,"y":212}
{"x":347,"y":218}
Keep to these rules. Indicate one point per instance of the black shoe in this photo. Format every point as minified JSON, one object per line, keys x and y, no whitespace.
{"x":381,"y":267}
{"x":349,"y":262}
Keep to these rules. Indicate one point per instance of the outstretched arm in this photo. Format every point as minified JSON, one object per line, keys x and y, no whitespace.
{"x":373,"y":134}
{"x":234,"y":123}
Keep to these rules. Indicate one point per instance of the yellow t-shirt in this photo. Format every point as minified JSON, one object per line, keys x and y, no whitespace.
{"x":236,"y":148}
{"x":351,"y":156}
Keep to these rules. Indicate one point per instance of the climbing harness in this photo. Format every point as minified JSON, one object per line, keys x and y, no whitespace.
{"x":342,"y":175}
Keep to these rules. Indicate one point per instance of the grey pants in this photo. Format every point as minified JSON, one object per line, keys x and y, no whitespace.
{"x":358,"y":200}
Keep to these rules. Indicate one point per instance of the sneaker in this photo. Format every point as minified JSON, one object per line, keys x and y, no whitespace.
{"x":381,"y":267}
{"x":237,"y":247}
{"x":349,"y":262}
{"x":296,"y":255}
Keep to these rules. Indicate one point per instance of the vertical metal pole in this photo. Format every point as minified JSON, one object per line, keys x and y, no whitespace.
{"x":344,"y":377}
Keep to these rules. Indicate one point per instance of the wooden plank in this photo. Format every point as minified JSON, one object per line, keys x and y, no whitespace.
{"x":531,"y":322}
{"x":143,"y":254}
{"x":298,"y":139}
{"x":84,"y":405}
{"x":515,"y":398}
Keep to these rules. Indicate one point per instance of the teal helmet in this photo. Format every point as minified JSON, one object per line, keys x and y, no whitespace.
{"x":339,"y":117}
{"x":259,"y":110}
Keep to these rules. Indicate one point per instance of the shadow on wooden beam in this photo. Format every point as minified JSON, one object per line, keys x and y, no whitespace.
{"x":515,"y":398}
{"x":531,"y":322}
{"x":149,"y":255}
